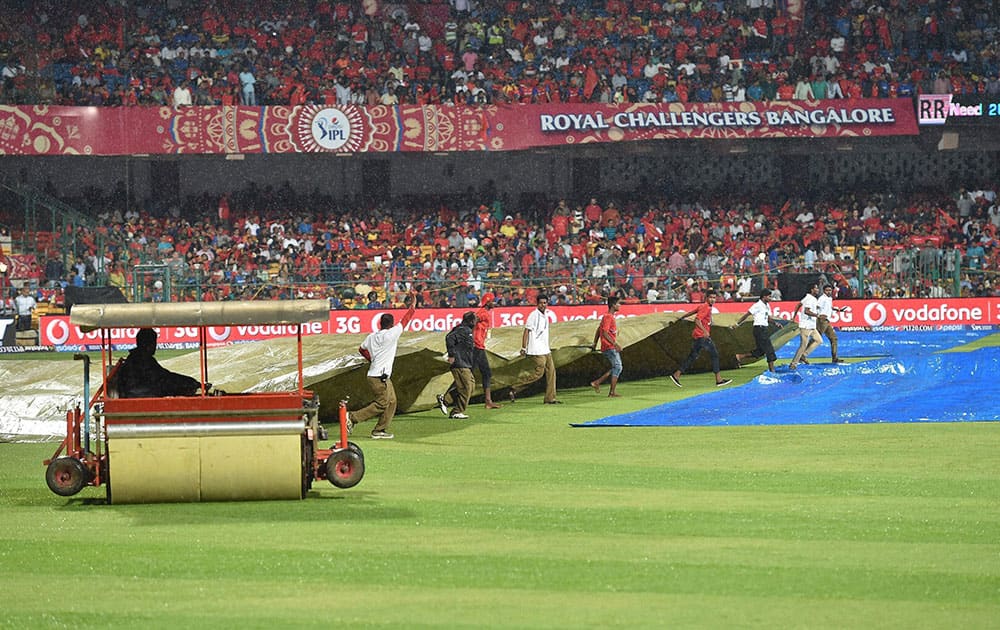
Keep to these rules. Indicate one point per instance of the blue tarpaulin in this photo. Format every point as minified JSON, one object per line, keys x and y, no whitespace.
{"x":908,"y":381}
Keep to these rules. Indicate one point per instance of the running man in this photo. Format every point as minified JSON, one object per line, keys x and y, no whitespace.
{"x":702,"y":336}
{"x":761,"y":313}
{"x":824,"y":310}
{"x":809,"y":338}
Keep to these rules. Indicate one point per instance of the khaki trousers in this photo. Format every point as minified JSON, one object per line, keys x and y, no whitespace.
{"x":544,"y":366}
{"x":457,"y":396}
{"x":809,"y":340}
{"x":825,"y":328}
{"x":384,"y":404}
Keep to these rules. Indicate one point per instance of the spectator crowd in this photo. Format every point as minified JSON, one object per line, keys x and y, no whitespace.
{"x":225,"y":52}
{"x":268,"y":243}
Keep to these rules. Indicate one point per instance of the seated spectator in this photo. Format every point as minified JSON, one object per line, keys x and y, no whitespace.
{"x":268,"y":54}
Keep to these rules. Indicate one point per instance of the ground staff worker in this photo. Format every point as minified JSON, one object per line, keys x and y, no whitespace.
{"x":702,"y":336}
{"x":141,"y":375}
{"x":460,"y":355}
{"x":535,"y":344}
{"x":380,"y":349}
{"x":761,"y":313}
{"x":809,"y":339}
{"x":824,"y":310}
{"x":480,"y":334}
{"x":607,"y":335}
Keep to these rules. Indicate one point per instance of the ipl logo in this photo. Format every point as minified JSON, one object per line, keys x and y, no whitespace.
{"x":331,"y":129}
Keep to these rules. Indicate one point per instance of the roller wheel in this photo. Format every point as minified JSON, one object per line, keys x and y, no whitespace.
{"x":345,"y":468}
{"x":354,"y":447}
{"x":66,"y":476}
{"x":357,"y":449}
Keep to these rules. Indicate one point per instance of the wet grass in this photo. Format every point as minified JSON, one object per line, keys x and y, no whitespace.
{"x":514,"y":519}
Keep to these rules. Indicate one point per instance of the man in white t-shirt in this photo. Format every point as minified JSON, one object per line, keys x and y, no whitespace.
{"x":809,"y":338}
{"x":761,"y":313}
{"x":182,"y":95}
{"x":380,"y":349}
{"x":535,"y":344}
{"x":743,"y":285}
{"x":824,"y":310}
{"x":994,"y":214}
{"x":247,"y":87}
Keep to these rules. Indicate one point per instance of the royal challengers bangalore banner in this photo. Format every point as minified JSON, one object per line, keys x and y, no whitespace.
{"x":44,"y":130}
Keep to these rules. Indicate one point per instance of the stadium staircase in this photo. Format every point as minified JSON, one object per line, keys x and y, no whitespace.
{"x":43,"y":218}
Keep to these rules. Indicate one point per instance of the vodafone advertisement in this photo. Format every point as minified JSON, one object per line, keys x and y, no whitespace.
{"x":912,"y":314}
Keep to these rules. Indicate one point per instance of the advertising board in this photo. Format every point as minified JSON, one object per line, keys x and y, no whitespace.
{"x":904,"y":314}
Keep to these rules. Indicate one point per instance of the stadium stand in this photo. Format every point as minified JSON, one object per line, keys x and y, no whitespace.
{"x":277,"y":242}
{"x":71,"y":52}
{"x":274,"y":245}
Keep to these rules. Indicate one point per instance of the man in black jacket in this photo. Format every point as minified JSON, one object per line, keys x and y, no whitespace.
{"x":460,"y":355}
{"x":141,"y":375}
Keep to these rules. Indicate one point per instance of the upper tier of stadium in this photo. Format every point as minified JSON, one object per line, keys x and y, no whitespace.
{"x":219,"y":52}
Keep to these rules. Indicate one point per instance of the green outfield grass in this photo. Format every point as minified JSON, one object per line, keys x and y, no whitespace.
{"x":514,"y":519}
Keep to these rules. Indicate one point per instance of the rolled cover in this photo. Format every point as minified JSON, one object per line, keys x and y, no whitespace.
{"x":146,"y":315}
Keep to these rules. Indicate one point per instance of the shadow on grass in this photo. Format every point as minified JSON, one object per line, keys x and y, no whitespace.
{"x":319,"y":506}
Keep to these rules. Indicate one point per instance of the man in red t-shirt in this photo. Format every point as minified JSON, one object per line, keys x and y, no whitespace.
{"x":593,"y":212}
{"x":607,"y":334}
{"x":702,"y":340}
{"x":480,"y":333}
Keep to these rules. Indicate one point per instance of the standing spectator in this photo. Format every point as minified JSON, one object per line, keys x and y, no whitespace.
{"x":593,"y":212}
{"x":809,"y":339}
{"x":24,"y":306}
{"x":702,"y":336}
{"x":343,"y":92}
{"x":761,"y":313}
{"x":824,"y":310}
{"x":994,"y":214}
{"x":965,"y":203}
{"x":460,"y":355}
{"x":182,"y":95}
{"x":379,"y":348}
{"x":54,"y":270}
{"x":479,"y":359}
{"x":607,"y":334}
{"x":535,"y":344}
{"x":247,"y":89}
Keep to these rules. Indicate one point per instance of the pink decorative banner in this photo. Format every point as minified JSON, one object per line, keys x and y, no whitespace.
{"x":21,"y":266}
{"x":43,"y":130}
